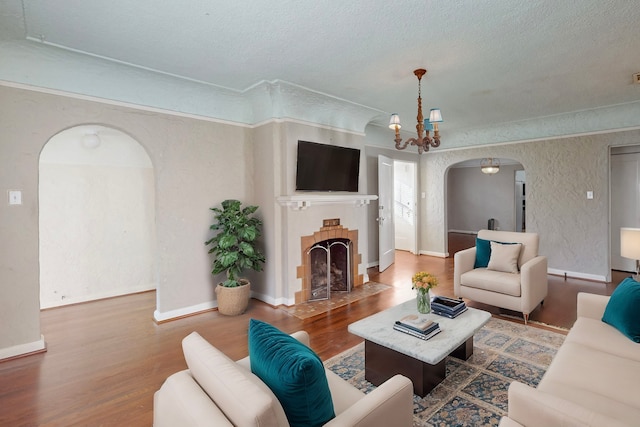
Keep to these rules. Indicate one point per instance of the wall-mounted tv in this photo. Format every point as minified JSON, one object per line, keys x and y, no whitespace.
{"x":323,"y":167}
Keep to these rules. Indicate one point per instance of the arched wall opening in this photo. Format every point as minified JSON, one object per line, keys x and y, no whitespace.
{"x":476,"y":200}
{"x":96,"y":216}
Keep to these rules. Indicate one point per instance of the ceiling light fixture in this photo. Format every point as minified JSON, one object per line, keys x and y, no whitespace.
{"x":435,"y":117}
{"x":490,"y":166}
{"x":91,"y":139}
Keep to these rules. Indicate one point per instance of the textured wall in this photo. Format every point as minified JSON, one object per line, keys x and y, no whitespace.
{"x":574,"y":231}
{"x":197,"y":164}
{"x":19,"y":290}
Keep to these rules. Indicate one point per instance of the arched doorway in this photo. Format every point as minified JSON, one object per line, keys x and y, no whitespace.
{"x":477,"y":200}
{"x":96,"y":216}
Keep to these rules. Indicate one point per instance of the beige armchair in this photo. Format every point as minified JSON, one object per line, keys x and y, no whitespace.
{"x":215,"y":391}
{"x":520,"y":290}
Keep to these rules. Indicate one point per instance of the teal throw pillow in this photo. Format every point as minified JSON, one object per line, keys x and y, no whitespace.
{"x":293,"y":372}
{"x":623,"y":309}
{"x":483,"y":253}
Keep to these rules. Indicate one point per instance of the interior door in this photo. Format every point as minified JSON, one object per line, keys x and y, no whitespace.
{"x":386,"y":230}
{"x":625,"y":204}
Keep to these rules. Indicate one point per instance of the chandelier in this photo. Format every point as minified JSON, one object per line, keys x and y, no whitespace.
{"x":435,"y":117}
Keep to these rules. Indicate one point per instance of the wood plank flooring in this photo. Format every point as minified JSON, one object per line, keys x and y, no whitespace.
{"x":106,"y":358}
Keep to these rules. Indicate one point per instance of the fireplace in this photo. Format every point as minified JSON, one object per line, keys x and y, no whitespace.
{"x":330,"y":262}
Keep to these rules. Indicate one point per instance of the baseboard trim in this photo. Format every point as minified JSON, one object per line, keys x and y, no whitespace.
{"x":576,"y":275}
{"x":475,"y":233}
{"x":38,"y":346}
{"x":166,"y":316}
{"x":274,"y":302}
{"x":436,"y":254}
{"x":44,"y":305}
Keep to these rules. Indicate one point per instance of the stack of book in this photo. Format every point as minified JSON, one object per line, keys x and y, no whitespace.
{"x":448,"y":307}
{"x":417,"y":326}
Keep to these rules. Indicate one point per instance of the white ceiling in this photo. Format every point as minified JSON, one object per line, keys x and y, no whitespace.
{"x":489,"y":61}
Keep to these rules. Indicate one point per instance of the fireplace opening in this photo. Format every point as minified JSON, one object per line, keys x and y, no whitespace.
{"x":335,"y":260}
{"x":330,"y":262}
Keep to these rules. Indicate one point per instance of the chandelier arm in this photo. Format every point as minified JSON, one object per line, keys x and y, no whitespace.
{"x":403,"y":146}
{"x":436,"y":137}
{"x":398,"y":140}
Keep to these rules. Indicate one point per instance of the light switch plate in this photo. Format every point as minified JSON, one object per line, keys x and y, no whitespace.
{"x":589,"y":195}
{"x":15,"y":197}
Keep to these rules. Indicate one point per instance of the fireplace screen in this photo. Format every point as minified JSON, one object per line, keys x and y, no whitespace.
{"x":330,"y":271}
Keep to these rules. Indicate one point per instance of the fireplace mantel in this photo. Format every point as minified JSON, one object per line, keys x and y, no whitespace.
{"x":303,"y":201}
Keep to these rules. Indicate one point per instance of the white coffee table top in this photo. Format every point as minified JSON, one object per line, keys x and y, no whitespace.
{"x":378,"y":328}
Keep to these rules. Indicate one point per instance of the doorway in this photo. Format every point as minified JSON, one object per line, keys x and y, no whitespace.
{"x":521,"y":201}
{"x":404,"y":205}
{"x":476,"y":200}
{"x":96,"y":217}
{"x":625,"y":200}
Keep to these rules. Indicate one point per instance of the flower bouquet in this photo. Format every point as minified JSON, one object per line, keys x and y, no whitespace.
{"x":423,"y":282}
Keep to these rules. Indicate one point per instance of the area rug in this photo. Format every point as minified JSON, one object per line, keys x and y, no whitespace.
{"x":338,"y":299}
{"x":474,"y":391}
{"x":562,"y":329}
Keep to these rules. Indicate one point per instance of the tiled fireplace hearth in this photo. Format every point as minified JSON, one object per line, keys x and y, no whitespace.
{"x":330,"y":261}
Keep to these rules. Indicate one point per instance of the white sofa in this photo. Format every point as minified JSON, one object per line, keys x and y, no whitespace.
{"x":216,"y":391}
{"x":522,"y":291}
{"x":594,"y":379}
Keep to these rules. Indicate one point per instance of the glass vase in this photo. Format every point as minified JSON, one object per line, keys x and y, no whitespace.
{"x":424,"y":302}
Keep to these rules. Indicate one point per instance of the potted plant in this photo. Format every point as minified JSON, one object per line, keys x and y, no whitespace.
{"x":234,"y":249}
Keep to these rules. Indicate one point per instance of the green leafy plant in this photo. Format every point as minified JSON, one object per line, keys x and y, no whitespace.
{"x":234,"y":246}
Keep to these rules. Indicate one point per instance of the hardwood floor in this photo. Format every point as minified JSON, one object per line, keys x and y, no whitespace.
{"x":106,"y":358}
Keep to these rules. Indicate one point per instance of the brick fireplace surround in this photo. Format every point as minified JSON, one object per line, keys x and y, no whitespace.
{"x":325,"y":233}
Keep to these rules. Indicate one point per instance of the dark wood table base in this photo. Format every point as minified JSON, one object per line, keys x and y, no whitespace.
{"x":381,"y":363}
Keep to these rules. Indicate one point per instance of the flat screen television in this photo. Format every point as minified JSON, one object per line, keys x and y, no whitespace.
{"x":323,"y":167}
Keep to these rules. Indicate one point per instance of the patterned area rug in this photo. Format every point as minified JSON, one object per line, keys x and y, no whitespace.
{"x":338,"y":299}
{"x":474,"y":391}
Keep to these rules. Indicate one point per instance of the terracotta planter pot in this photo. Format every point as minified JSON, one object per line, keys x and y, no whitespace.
{"x":233,"y":301}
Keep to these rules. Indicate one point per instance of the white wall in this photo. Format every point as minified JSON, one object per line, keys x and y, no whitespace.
{"x":97,"y":218}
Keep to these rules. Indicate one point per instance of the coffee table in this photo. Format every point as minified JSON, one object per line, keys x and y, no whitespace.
{"x":389,"y":352}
